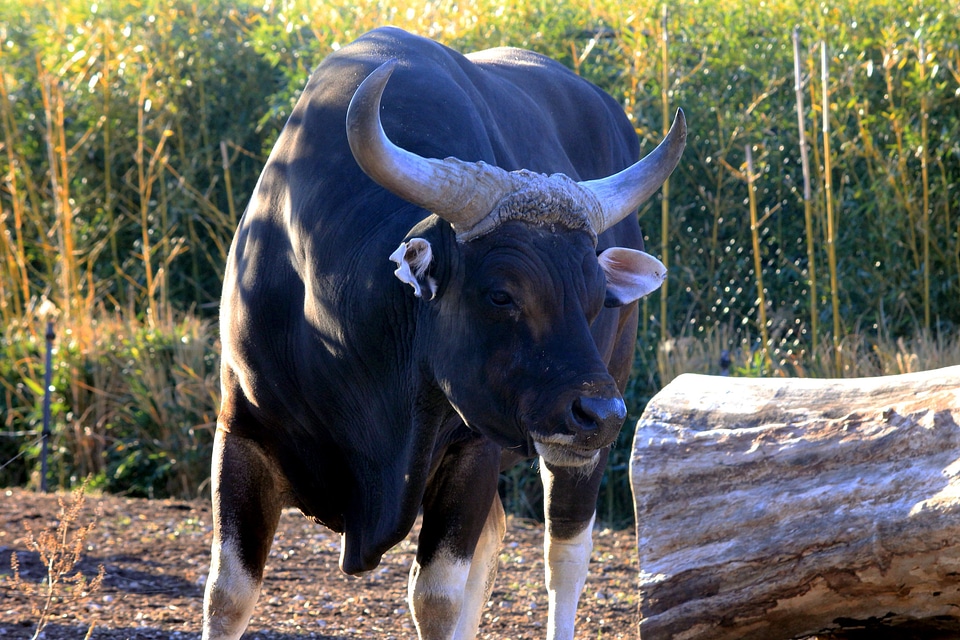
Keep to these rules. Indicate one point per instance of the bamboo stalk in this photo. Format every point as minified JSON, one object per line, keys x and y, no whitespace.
{"x":900,"y":180}
{"x":27,"y":202}
{"x":163,"y":273}
{"x":828,"y":189}
{"x":58,"y":174}
{"x":817,"y":164}
{"x":147,"y":174}
{"x":757,"y":262}
{"x":9,"y":263}
{"x":807,"y":203}
{"x":18,"y":267}
{"x":108,"y":195}
{"x":228,"y":184}
{"x":633,"y":44}
{"x":665,"y":201}
{"x":717,"y":202}
{"x":144,"y":187}
{"x":925,"y":180}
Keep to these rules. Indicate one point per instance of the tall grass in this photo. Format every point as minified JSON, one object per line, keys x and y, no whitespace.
{"x":135,"y":403}
{"x":132,"y":134}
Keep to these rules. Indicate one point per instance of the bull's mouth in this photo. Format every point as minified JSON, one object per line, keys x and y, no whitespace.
{"x":565,"y":455}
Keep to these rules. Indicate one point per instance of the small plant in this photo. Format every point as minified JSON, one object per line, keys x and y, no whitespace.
{"x":60,"y":551}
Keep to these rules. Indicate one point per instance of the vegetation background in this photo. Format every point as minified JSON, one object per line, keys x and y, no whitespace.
{"x":133,"y":131}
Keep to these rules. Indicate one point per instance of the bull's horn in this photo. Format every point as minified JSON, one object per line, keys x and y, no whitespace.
{"x":462,"y":193}
{"x":621,"y":193}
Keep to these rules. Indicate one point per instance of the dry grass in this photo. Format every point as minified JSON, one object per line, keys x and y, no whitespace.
{"x":855,"y":356}
{"x":60,"y":550}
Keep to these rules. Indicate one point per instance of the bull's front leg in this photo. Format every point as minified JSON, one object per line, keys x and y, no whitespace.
{"x":463,"y":527}
{"x":246,"y":510}
{"x":570,"y":498}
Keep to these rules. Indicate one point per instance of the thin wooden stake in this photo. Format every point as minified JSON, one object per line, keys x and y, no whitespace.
{"x":47,"y":383}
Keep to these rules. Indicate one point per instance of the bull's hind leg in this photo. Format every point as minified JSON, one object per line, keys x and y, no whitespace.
{"x":463,"y":527}
{"x":246,"y":509}
{"x":570,"y":499}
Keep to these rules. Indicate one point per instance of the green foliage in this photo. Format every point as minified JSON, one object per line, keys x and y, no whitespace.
{"x":133,"y":132}
{"x":133,"y":406}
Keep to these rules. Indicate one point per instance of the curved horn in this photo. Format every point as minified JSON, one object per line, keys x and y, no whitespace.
{"x":462,"y":193}
{"x":621,"y":193}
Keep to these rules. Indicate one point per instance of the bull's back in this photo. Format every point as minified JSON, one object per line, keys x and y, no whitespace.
{"x":512,"y":108}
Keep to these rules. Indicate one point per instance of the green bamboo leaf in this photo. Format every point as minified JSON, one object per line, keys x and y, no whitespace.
{"x":34,"y":386}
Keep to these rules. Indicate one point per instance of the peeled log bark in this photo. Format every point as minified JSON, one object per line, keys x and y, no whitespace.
{"x":779,"y":508}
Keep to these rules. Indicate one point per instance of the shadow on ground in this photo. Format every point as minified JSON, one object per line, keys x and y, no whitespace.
{"x":67,"y":632}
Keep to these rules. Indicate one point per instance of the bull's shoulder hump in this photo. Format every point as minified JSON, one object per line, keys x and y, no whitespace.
{"x":514,"y":57}
{"x":377,"y":46}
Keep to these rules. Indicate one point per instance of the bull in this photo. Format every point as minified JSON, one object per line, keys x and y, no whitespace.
{"x":361,"y":391}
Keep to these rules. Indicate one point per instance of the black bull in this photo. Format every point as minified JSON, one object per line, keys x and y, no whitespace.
{"x":361,"y":399}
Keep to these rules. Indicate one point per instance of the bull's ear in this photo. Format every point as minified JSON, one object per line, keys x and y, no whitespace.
{"x":631,"y":274}
{"x":413,"y":258}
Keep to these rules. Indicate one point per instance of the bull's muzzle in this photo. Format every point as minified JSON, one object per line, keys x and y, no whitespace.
{"x":591,"y":423}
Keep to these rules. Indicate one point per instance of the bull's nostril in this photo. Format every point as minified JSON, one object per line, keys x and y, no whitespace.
{"x":595,"y":413}
{"x":584,"y":418}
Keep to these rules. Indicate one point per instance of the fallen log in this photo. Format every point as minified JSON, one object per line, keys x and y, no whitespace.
{"x":770,"y":509}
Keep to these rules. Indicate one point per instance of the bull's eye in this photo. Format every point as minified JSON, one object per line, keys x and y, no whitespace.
{"x":500,"y":299}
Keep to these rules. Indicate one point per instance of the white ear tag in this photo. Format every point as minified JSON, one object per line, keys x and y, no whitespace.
{"x":413,"y":258}
{"x":631,"y":274}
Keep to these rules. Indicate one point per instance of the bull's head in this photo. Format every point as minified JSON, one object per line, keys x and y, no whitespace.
{"x":513,"y":300}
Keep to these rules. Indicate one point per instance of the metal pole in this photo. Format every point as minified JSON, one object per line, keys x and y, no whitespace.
{"x":47,"y":383}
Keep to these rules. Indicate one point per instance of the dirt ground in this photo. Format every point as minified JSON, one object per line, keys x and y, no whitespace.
{"x":155,"y":555}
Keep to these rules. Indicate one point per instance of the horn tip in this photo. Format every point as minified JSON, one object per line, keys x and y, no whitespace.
{"x":388,"y":66}
{"x":365,"y":103}
{"x":379,"y":76}
{"x":680,"y":122}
